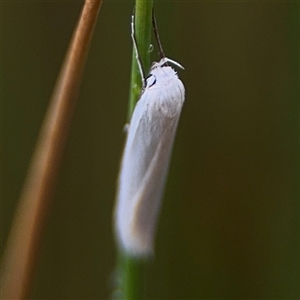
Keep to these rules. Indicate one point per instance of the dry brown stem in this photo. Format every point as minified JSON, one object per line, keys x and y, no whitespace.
{"x":25,"y":237}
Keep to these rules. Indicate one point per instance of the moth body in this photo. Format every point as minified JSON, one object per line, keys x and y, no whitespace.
{"x":146,"y":159}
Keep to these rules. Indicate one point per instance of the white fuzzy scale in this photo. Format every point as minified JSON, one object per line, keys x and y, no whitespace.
{"x":146,"y":159}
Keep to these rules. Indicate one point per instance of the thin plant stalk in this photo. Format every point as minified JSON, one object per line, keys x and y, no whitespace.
{"x":132,"y":269}
{"x":143,"y":28}
{"x":22,"y":247}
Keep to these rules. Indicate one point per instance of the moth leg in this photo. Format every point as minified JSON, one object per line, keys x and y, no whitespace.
{"x":126,"y":128}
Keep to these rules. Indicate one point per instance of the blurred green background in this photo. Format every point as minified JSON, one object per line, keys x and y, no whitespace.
{"x":229,"y":227}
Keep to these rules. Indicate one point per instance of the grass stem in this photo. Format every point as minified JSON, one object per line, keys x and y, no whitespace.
{"x":143,"y":28}
{"x":132,"y":269}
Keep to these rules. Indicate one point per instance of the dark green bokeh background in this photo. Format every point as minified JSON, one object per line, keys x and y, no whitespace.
{"x":229,"y":227}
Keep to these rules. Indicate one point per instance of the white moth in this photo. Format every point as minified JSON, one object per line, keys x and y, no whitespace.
{"x":146,"y":159}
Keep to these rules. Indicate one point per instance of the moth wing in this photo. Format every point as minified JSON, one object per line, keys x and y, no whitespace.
{"x":147,"y":199}
{"x":144,"y":168}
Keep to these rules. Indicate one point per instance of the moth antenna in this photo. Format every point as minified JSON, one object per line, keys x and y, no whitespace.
{"x":155,"y":29}
{"x":137,"y":54}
